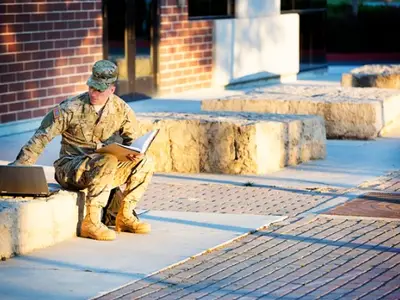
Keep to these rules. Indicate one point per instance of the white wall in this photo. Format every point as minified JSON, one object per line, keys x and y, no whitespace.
{"x":254,"y":48}
{"x":257,"y":8}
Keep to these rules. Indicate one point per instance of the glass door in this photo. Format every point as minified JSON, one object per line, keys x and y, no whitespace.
{"x":129,"y":41}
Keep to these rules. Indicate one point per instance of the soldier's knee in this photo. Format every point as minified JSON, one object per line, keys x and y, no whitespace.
{"x":108,"y":161}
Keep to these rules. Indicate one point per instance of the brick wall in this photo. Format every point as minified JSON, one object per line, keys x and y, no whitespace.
{"x":47,"y":49}
{"x":185,"y":50}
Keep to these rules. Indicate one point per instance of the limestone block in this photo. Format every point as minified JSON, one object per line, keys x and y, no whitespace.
{"x":351,"y":113}
{"x":379,"y":76}
{"x":27,"y":224}
{"x":231,"y":143}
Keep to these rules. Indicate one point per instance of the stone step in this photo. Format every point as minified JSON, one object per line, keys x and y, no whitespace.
{"x":233,"y":143}
{"x":349,"y":113}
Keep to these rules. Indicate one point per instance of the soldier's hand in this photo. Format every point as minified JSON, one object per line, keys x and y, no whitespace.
{"x":135,"y":157}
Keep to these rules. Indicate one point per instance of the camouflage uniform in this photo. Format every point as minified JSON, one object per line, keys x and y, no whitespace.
{"x":83,"y":131}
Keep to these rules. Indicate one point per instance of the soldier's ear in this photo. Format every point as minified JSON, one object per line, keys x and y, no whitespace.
{"x":112,"y":88}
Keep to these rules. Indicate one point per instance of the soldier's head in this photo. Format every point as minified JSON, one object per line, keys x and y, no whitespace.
{"x":102,"y":81}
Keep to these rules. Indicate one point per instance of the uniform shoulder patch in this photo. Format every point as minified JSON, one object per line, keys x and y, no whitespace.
{"x":56,"y":112}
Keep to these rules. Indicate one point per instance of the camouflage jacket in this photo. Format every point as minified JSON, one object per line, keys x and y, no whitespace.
{"x":82,"y":130}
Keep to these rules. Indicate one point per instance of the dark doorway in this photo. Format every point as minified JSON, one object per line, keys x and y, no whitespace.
{"x":130,"y":40}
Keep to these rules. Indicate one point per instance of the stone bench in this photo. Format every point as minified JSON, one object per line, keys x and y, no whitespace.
{"x":232,"y":143}
{"x":379,"y":76}
{"x":28,"y":223}
{"x":350,"y":113}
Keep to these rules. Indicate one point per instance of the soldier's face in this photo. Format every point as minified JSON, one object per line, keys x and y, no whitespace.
{"x":99,"y":98}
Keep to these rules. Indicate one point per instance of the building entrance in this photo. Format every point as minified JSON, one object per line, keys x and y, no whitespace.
{"x":129,"y":40}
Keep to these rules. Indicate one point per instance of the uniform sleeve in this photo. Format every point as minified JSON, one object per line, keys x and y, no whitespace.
{"x":129,"y":128}
{"x":53,"y":124}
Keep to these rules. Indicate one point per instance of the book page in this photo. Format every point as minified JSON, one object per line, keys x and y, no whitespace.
{"x":142,"y":144}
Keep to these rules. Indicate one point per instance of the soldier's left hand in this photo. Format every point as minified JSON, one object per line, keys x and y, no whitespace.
{"x":135,"y":157}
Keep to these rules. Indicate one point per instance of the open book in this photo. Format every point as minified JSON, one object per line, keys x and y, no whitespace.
{"x":139,"y":146}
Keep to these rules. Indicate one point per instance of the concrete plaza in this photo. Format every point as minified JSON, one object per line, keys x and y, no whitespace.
{"x":205,"y":244}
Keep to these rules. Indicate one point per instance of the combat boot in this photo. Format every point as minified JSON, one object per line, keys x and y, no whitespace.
{"x":127,"y":221}
{"x":92,"y":227}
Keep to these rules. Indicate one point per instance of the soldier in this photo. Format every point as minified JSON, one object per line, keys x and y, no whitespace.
{"x":86,"y":123}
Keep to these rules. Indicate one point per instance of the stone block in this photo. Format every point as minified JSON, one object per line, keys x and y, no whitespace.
{"x":379,"y":76}
{"x":27,"y":224}
{"x":232,"y":143}
{"x":349,"y":113}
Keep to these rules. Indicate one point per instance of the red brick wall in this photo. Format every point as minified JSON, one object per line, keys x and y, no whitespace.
{"x":47,"y":49}
{"x":185,"y":50}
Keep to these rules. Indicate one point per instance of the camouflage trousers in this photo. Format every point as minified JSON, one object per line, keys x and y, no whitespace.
{"x":100,"y":173}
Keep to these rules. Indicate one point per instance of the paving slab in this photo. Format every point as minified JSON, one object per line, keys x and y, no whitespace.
{"x":82,"y":268}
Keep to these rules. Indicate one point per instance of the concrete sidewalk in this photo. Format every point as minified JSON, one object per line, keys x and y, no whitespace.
{"x":307,"y":256}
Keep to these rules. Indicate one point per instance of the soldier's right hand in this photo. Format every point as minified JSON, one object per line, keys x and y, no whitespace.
{"x":135,"y":157}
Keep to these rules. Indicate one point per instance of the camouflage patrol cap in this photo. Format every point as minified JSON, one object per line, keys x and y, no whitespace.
{"x":104,"y":73}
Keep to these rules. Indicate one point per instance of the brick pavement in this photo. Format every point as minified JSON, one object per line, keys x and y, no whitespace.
{"x":307,"y":257}
{"x":218,"y":198}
